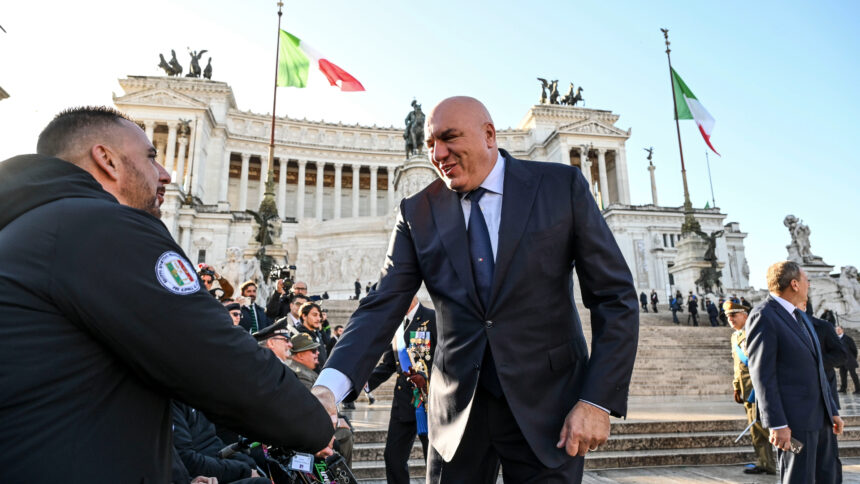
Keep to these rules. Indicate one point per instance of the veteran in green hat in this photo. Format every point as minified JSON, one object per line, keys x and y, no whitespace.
{"x":744,"y":392}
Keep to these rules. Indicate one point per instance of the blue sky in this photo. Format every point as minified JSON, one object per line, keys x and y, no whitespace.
{"x":778,"y":77}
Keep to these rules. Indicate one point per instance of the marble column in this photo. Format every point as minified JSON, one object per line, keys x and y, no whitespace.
{"x":159,"y":152}
{"x":178,"y":177}
{"x":282,"y":186}
{"x":243,"y":183}
{"x":300,"y":191}
{"x":651,"y":168}
{"x":149,"y":128}
{"x":186,"y":238}
{"x":604,"y":183}
{"x":319,"y":192}
{"x":356,"y":171}
{"x":373,"y":191}
{"x":224,"y":184}
{"x":586,"y":167}
{"x":338,"y":171}
{"x":171,"y":145}
{"x":264,"y":175}
{"x":391,"y":200}
{"x":621,"y":176}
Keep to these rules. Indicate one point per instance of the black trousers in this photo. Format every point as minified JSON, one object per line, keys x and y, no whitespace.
{"x":492,"y":437}
{"x":818,"y":462}
{"x":398,"y":446}
{"x":843,"y":378}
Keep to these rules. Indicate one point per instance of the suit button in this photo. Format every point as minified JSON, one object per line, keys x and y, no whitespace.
{"x":477,"y":367}
{"x":489,"y":324}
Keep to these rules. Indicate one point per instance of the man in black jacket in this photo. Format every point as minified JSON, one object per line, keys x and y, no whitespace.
{"x":91,"y":277}
{"x":402,"y":422}
{"x":850,"y":365}
{"x":197,"y":445}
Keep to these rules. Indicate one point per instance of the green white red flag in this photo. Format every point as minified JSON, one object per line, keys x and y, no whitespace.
{"x":295,"y":59}
{"x":689,"y":107}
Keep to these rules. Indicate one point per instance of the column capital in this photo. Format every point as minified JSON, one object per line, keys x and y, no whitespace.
{"x":149,"y":124}
{"x":172,"y":125}
{"x":302,"y":163}
{"x":374,"y":168}
{"x":356,"y":167}
{"x":245,"y":157}
{"x":338,"y":166}
{"x":320,"y":166}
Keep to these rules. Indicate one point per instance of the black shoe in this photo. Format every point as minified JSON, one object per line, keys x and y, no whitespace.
{"x":757,"y":470}
{"x":348,"y":406}
{"x":841,"y":390}
{"x":370,"y":399}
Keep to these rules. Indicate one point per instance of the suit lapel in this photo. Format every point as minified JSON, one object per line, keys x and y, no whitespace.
{"x":520,"y":189}
{"x":448,"y":216}
{"x":792,"y":323}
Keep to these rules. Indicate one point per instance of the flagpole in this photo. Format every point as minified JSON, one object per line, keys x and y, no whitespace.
{"x":710,"y":181}
{"x":690,"y":222}
{"x":269,"y":197}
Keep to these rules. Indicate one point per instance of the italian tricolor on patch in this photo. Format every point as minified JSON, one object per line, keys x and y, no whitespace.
{"x":689,"y":107}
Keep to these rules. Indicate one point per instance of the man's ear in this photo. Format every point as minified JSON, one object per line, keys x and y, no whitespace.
{"x":105,"y":160}
{"x":490,"y":135}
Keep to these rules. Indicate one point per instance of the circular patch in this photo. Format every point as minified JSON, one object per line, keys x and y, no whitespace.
{"x":176,"y":274}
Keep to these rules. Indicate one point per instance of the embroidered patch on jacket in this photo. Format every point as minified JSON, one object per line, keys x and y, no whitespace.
{"x":176,"y":274}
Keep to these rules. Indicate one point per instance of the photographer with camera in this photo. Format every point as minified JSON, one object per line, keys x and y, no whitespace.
{"x":278,"y":304}
{"x":208,"y":276}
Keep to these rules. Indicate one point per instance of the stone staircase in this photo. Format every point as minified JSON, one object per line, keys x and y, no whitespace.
{"x":632,"y":444}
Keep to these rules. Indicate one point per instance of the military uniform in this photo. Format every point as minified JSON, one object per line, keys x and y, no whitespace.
{"x":402,"y":427}
{"x":743,"y":385}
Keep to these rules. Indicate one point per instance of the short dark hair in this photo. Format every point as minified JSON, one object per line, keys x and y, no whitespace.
{"x":70,"y":124}
{"x":338,"y":327}
{"x":294,"y":297}
{"x":306,"y":308}
{"x":780,"y":275}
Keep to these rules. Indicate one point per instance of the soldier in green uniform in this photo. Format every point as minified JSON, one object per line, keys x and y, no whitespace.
{"x":744,"y":392}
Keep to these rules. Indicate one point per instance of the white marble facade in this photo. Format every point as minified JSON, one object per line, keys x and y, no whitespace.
{"x":335,"y":183}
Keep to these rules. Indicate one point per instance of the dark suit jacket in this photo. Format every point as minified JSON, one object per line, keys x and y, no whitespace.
{"x":549,"y":221}
{"x":401,"y":406}
{"x":850,"y":351}
{"x":832,"y":353}
{"x":262,"y":320}
{"x":787,"y":370}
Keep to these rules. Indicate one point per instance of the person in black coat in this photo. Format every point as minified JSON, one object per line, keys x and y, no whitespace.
{"x":654,"y":300}
{"x":693,"y":309}
{"x":643,"y":300}
{"x":713,"y":312}
{"x":402,"y":423}
{"x":850,"y":365}
{"x":196,"y":442}
{"x":832,"y":353}
{"x":105,"y":321}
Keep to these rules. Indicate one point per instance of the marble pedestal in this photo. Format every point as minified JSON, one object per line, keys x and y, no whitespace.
{"x":689,"y":263}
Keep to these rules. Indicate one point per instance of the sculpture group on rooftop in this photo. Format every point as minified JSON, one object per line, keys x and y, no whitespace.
{"x":174,"y":69}
{"x":569,"y":99}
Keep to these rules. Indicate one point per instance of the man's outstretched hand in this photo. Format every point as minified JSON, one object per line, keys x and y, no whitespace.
{"x":585,"y":428}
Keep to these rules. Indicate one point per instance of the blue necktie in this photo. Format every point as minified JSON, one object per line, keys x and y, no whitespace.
{"x":483,"y":265}
{"x":480,"y":248}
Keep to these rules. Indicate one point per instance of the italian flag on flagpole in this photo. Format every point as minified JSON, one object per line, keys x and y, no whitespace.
{"x":689,"y":107}
{"x":295,"y":59}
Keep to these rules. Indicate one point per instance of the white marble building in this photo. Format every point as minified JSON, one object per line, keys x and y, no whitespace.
{"x":336,"y":184}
